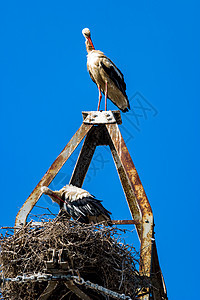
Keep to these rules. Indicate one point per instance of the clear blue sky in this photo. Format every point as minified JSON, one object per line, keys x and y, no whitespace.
{"x":45,"y":86}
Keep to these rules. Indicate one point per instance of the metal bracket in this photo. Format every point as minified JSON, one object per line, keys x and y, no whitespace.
{"x":101,"y":117}
{"x":57,"y":261}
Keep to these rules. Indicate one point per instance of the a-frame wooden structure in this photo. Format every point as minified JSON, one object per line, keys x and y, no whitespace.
{"x":101,"y":128}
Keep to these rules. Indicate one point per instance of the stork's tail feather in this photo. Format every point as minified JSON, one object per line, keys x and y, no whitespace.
{"x":127,"y":108}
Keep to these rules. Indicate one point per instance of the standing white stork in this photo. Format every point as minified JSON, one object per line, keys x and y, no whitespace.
{"x":79,"y":204}
{"x":106,"y":75}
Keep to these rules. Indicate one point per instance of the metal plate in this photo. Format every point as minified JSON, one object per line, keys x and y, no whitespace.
{"x":101,"y":117}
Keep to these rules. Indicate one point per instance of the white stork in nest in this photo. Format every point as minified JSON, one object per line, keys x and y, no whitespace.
{"x":106,"y":75}
{"x":79,"y":204}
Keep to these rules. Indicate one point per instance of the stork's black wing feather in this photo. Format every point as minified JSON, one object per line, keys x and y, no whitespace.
{"x":82,"y":208}
{"x":115,"y":75}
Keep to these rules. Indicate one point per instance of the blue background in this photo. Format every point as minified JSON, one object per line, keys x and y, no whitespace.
{"x":45,"y":86}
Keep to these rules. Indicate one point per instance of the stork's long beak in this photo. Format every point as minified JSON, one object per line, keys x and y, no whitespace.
{"x":90,"y":41}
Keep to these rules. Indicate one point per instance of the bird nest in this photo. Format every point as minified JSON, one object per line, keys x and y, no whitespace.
{"x":92,"y":252}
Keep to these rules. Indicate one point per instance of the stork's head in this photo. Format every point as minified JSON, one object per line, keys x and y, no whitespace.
{"x":45,"y":190}
{"x":87,"y":35}
{"x":86,"y":32}
{"x":54,"y":195}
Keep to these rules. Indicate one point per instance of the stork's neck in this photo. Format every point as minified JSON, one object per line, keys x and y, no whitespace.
{"x":88,"y":46}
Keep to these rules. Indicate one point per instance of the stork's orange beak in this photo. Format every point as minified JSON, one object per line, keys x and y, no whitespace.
{"x":55,"y":196}
{"x":90,"y":41}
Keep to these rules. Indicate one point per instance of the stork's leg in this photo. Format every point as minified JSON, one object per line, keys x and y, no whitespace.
{"x":100,"y":96}
{"x":106,"y":94}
